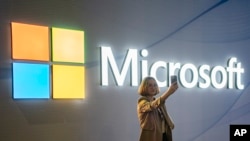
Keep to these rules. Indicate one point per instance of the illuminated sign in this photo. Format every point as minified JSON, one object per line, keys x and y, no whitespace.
{"x":47,"y":61}
{"x":202,"y":76}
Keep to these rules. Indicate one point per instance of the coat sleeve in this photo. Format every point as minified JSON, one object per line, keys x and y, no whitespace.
{"x":144,"y":105}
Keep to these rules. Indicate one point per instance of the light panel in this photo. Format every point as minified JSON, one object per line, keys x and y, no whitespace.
{"x":31,"y":81}
{"x":30,"y":42}
{"x":67,"y":45}
{"x":68,"y":82}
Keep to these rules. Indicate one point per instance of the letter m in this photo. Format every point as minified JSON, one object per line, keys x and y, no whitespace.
{"x":107,"y":59}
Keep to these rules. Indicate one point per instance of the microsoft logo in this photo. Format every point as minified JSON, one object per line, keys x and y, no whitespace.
{"x":47,"y":62}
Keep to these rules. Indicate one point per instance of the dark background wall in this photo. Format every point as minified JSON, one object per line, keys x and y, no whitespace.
{"x":191,"y":31}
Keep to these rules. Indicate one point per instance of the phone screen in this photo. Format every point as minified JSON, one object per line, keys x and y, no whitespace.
{"x":173,"y":78}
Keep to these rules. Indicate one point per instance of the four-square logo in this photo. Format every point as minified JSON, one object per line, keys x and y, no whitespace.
{"x":47,"y":62}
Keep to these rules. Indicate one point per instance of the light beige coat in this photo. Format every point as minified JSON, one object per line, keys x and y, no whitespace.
{"x":150,"y":121}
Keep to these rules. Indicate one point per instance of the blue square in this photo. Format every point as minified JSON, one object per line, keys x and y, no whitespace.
{"x":31,"y":81}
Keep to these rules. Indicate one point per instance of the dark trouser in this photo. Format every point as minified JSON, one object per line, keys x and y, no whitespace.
{"x":164,"y":137}
{"x":167,"y":137}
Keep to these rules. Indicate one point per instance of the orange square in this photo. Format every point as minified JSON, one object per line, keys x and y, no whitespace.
{"x":30,"y":42}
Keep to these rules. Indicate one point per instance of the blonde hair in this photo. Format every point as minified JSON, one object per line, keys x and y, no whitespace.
{"x":142,"y":90}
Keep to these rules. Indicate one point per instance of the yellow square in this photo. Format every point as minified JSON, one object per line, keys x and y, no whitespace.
{"x":67,"y":45}
{"x":30,"y":42}
{"x":68,"y":82}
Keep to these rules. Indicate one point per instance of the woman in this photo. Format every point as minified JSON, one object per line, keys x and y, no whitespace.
{"x":155,"y":123}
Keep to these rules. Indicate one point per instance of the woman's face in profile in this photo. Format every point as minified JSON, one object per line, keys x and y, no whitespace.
{"x":152,"y":87}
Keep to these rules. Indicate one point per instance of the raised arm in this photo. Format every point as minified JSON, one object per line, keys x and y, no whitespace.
{"x":169,"y":91}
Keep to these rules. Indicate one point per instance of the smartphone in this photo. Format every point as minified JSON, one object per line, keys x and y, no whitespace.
{"x":173,"y":79}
